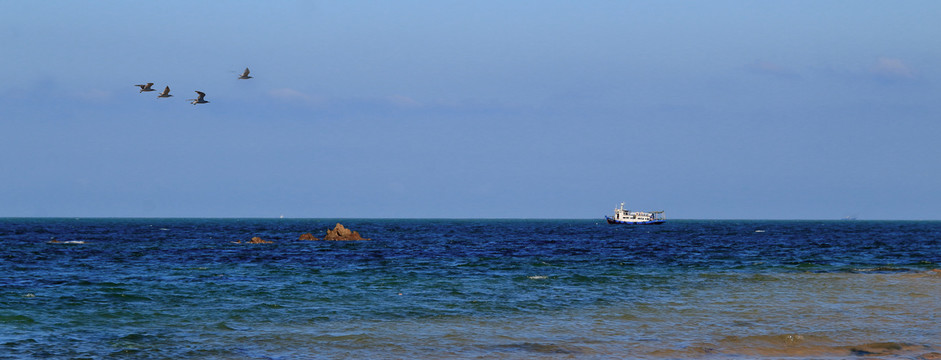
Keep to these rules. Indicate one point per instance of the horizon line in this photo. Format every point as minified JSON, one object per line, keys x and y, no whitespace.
{"x":435,"y":218}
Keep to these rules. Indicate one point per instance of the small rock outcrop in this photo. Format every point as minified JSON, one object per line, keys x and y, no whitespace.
{"x":258,"y":240}
{"x":340,"y":233}
{"x":308,"y":236}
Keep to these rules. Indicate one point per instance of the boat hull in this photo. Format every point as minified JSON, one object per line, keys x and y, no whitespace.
{"x":619,"y":222}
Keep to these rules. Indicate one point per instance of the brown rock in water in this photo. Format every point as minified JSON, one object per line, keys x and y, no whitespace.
{"x":258,"y":240}
{"x":308,"y":236}
{"x":340,"y":233}
{"x":930,"y":356}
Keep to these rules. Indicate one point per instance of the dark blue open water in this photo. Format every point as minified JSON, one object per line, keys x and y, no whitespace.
{"x":515,"y":289}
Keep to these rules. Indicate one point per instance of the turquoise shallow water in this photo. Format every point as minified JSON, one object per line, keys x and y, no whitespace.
{"x":515,"y":289}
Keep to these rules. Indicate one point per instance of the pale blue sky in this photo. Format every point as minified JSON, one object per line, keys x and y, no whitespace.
{"x":521,"y":109}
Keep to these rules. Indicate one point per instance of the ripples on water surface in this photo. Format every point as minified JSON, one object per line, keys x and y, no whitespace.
{"x":516,"y":289}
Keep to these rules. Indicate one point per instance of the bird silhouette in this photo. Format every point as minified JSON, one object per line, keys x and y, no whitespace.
{"x":145,"y":87}
{"x":199,"y":99}
{"x":165,"y":93}
{"x":245,"y":75}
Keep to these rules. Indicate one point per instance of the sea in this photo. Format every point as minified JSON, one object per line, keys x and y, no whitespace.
{"x":117,"y":288}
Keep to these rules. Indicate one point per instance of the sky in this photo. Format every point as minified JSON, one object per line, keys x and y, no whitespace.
{"x":471,"y":109}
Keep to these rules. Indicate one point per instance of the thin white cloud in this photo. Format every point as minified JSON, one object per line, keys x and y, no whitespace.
{"x":771,"y":68}
{"x":892,"y":68}
{"x":296,"y":96}
{"x":287,"y":94}
{"x":94,"y":95}
{"x":403,"y":101}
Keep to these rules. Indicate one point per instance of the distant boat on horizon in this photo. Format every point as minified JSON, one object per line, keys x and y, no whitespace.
{"x":622,"y":216}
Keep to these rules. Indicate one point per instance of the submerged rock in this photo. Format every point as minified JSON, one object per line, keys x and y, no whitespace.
{"x":883,"y":348}
{"x":308,"y":236}
{"x":340,"y":233}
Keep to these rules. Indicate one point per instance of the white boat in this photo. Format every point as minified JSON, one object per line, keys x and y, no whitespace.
{"x":628,"y":217}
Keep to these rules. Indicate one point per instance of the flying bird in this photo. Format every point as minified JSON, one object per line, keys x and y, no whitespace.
{"x":245,"y":75}
{"x":199,"y":99}
{"x":165,"y":93}
{"x":145,"y":87}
